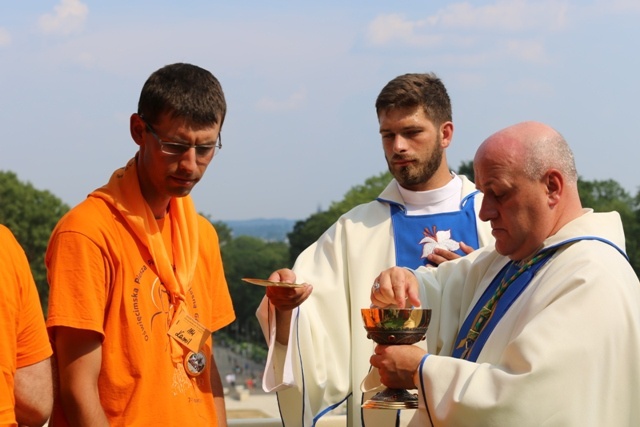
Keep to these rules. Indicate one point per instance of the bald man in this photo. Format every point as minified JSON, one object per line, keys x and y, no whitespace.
{"x":543,"y":328}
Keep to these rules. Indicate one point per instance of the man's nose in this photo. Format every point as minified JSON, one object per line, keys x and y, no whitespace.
{"x":400,"y":144}
{"x":487,"y":210}
{"x":189,"y":160}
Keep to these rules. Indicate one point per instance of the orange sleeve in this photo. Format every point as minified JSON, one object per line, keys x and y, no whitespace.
{"x":32,"y":343}
{"x":78,"y":284}
{"x":23,"y":337}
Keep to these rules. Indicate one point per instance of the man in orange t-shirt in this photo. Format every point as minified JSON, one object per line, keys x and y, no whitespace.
{"x":26,"y":393}
{"x":136,"y":278}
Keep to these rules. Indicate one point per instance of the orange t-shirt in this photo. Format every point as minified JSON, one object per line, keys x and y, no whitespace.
{"x":23,"y":336}
{"x":102,"y":279}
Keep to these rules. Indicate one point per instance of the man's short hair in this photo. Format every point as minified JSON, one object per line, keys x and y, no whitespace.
{"x":183,"y":90}
{"x":424,"y":90}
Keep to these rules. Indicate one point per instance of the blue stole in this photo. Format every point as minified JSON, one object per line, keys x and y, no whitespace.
{"x":409,"y":230}
{"x":510,"y":295}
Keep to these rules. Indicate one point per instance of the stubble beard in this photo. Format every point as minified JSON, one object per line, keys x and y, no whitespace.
{"x":417,"y":174}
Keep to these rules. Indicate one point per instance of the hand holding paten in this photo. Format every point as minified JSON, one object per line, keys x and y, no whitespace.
{"x":286,"y":298}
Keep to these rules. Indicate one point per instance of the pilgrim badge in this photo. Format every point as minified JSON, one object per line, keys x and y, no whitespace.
{"x":188,"y":331}
{"x":194,"y":363}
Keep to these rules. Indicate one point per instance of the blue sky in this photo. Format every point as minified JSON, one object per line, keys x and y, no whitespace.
{"x":301,"y":80}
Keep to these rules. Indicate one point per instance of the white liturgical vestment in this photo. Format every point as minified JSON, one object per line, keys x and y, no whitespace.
{"x":566,"y":353}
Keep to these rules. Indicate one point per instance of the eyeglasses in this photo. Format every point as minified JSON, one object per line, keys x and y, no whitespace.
{"x":171,"y":148}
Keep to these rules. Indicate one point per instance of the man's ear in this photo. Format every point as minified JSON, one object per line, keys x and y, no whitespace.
{"x":137,"y":127}
{"x":446,"y":134}
{"x":554,"y":182}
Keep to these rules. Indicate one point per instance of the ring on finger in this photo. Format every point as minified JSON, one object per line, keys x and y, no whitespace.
{"x":376,"y":287}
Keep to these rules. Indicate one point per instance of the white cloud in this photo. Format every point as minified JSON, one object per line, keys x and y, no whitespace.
{"x":512,"y":16}
{"x":5,"y":37}
{"x":527,"y":50}
{"x":503,"y":15}
{"x":69,"y":17}
{"x":294,"y":101}
{"x":621,"y":5}
{"x":389,"y":28}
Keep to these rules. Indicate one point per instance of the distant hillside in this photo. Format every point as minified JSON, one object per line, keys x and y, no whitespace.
{"x":267,"y":229}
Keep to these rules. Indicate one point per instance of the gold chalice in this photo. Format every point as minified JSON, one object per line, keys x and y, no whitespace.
{"x":391,"y":326}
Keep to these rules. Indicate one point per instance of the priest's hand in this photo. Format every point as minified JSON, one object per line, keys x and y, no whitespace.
{"x":284,"y":298}
{"x":441,"y":255}
{"x":397,"y":364}
{"x":396,"y":287}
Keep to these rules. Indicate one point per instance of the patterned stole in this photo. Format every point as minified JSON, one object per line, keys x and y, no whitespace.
{"x":484,"y":319}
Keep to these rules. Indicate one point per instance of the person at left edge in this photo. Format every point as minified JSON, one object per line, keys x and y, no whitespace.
{"x":26,"y":393}
{"x":135,"y":273}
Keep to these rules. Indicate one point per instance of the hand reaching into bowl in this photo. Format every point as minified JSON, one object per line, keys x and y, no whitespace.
{"x":396,"y":287}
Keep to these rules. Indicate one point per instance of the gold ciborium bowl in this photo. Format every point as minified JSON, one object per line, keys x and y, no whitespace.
{"x":395,"y":326}
{"x":391,"y":326}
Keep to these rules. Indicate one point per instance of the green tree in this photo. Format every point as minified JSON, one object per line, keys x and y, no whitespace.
{"x":306,"y":232}
{"x":31,"y":215}
{"x":604,"y":195}
{"x":225,"y":234}
{"x":608,"y":195}
{"x":247,"y":256}
{"x":360,"y":194}
{"x":466,"y":169}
